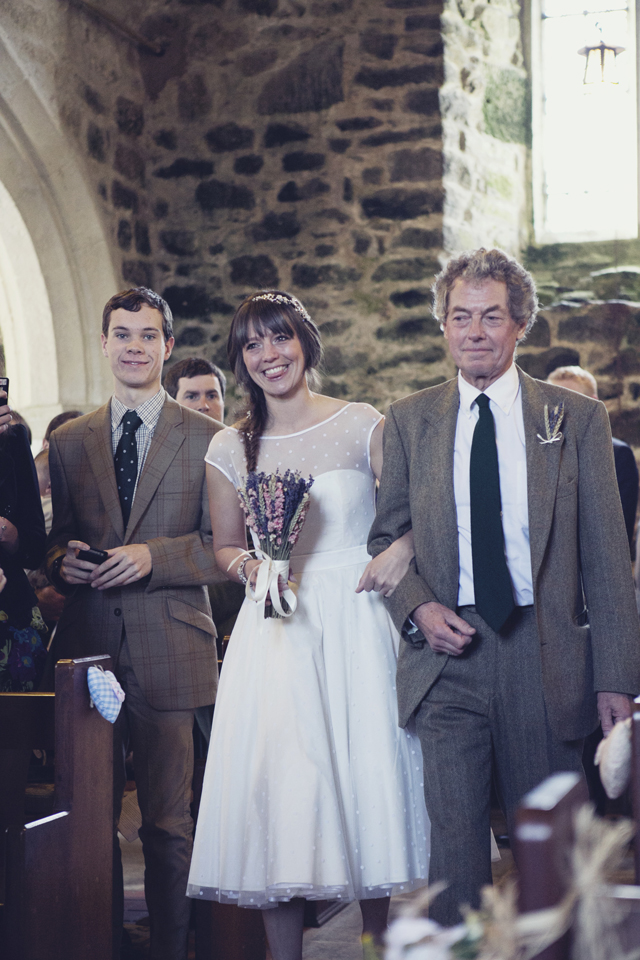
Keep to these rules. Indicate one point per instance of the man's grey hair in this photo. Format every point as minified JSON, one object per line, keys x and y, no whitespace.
{"x":478,"y":265}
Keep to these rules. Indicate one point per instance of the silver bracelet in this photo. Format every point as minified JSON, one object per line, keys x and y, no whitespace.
{"x":240,"y":571}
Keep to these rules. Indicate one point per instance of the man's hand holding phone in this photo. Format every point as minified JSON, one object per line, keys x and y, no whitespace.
{"x":103,"y":569}
{"x":125,"y":565}
{"x":75,"y":569}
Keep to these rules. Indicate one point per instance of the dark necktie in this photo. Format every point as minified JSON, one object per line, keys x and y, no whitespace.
{"x":126,"y":462}
{"x":491,"y":579}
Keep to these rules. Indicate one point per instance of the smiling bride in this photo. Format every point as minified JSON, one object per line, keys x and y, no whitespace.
{"x":311,"y":788}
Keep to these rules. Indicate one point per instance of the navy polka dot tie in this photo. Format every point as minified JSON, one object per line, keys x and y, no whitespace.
{"x":126,"y":462}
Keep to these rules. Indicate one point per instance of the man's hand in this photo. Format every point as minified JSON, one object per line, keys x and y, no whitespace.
{"x":613,"y":707}
{"x":73,"y":570}
{"x":444,"y":630}
{"x":125,"y":565}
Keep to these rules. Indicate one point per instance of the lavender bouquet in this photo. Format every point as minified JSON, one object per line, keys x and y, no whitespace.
{"x":276,"y":506}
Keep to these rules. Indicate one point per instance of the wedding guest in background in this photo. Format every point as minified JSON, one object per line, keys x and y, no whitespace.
{"x":58,"y":421}
{"x":22,"y":543}
{"x":129,"y":478}
{"x":311,"y":789}
{"x":509,"y":487}
{"x":18,"y":418}
{"x":580,"y":380}
{"x":199,"y":384}
{"x":23,"y":634}
{"x":50,"y":601}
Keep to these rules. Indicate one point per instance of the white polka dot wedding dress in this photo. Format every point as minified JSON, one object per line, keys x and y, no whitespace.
{"x":311,"y":788}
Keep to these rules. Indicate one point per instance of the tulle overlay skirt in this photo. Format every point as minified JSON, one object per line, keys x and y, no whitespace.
{"x":311,"y":788}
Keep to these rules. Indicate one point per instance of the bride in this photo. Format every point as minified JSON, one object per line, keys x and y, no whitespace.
{"x":311,"y":789}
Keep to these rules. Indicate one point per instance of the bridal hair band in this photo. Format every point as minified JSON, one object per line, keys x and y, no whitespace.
{"x":291,"y":301}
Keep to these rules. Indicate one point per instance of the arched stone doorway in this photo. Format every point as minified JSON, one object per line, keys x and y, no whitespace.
{"x":56,"y":271}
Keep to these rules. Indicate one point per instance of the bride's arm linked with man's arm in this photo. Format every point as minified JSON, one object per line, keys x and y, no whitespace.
{"x":385,"y":571}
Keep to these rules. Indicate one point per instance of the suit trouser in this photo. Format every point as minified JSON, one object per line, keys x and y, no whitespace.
{"x":162,"y":743}
{"x":484,"y":716}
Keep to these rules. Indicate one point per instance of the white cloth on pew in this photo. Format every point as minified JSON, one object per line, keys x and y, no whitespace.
{"x":613,"y":757}
{"x":107,"y":696}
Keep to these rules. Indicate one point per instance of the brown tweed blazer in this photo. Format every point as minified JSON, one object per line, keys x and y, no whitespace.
{"x":167,"y":616}
{"x":582,"y":584}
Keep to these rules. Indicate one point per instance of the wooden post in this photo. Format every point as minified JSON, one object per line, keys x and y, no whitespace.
{"x":635,"y":787}
{"x":543,"y":839}
{"x":57,"y":871}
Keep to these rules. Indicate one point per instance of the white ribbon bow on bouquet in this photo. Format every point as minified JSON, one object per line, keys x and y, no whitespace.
{"x":267,"y":585}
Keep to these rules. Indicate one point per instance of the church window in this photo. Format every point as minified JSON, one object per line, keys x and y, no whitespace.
{"x":585,"y":135}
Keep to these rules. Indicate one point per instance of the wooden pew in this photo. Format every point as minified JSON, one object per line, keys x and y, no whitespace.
{"x":635,"y":784}
{"x":544,"y":835}
{"x":55,"y":872}
{"x":224,"y":931}
{"x":543,"y":838}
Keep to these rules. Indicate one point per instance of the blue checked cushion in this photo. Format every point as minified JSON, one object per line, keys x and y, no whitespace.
{"x":107,"y":695}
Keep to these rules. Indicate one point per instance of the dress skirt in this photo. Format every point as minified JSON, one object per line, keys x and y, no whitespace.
{"x":311,"y":789}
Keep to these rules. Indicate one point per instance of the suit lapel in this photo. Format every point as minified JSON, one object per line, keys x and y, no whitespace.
{"x":168,"y":437}
{"x":98,"y":447}
{"x":442,"y":419}
{"x":543,"y":467}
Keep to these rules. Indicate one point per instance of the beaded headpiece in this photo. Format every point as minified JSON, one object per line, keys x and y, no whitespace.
{"x":291,"y":301}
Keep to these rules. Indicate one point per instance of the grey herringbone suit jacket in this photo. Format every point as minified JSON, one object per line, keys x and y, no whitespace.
{"x":167,"y":616}
{"x":579,"y":550}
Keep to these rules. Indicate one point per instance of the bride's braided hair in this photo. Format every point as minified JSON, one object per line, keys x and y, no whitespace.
{"x":268,"y":311}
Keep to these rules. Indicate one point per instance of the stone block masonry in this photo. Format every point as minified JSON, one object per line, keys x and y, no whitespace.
{"x":289,"y":143}
{"x":485,"y":120}
{"x":335,"y":148}
{"x":604,"y":337}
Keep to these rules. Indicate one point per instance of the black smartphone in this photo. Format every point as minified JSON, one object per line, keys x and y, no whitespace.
{"x":93,"y":556}
{"x":4,"y":385}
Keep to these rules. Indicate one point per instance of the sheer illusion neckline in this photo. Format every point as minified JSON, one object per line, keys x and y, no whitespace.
{"x":298,"y":433}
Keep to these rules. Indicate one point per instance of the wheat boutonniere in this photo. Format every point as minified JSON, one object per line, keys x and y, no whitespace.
{"x":552,"y":422}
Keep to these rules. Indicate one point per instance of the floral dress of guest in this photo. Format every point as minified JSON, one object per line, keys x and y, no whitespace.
{"x":23,"y":633}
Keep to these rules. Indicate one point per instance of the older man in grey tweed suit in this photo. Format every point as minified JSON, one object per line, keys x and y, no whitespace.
{"x":130,"y":479}
{"x":518,"y":613}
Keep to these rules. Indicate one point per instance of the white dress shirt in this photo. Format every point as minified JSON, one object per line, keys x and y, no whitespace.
{"x":149,"y":413}
{"x":505,"y":403}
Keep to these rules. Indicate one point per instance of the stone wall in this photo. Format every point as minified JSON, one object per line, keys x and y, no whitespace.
{"x":486,"y":126}
{"x":602,"y":336}
{"x":274,"y":143}
{"x":335,"y":148}
{"x":591,"y":316}
{"x":586,"y":271}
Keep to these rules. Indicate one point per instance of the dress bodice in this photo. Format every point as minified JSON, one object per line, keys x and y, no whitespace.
{"x":336,"y":453}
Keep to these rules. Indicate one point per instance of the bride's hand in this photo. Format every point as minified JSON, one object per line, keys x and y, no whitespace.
{"x":282,"y":583}
{"x":385,"y":571}
{"x":253,"y":575}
